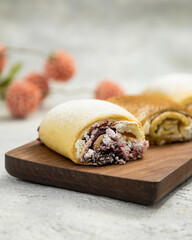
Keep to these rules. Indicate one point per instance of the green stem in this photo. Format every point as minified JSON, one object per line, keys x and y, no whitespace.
{"x":6,"y":80}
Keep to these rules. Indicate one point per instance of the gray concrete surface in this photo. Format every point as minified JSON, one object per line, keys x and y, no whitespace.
{"x":129,"y":41}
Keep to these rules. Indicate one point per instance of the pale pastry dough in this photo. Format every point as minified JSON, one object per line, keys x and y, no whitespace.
{"x":163,"y":120}
{"x":85,"y":131}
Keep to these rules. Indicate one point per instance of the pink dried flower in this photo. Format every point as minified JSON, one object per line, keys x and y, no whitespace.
{"x":2,"y":57}
{"x":107,"y":89}
{"x":40,"y":81}
{"x":22,"y":98}
{"x":60,"y":66}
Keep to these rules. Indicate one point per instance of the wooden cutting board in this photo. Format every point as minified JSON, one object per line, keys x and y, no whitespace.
{"x":143,"y":181}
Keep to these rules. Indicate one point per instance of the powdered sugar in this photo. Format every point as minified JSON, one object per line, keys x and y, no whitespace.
{"x":80,"y":111}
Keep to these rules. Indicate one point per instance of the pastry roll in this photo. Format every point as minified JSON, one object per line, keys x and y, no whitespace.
{"x":163,"y":120}
{"x":177,"y":87}
{"x":93,"y":132}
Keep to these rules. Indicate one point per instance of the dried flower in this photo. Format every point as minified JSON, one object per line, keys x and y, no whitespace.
{"x":60,"y":66}
{"x":22,"y":98}
{"x":2,"y":57}
{"x":107,"y":89}
{"x":40,"y":81}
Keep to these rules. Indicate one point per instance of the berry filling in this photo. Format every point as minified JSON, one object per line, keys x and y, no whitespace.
{"x":103,"y":144}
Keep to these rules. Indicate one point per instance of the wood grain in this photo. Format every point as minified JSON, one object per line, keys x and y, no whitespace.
{"x":143,"y":181}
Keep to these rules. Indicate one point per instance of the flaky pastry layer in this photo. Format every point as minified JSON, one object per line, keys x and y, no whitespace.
{"x":163,"y":120}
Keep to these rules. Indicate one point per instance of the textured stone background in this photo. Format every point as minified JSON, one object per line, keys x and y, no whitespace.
{"x":129,"y":41}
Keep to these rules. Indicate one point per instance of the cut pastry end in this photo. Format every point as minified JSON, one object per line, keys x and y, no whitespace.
{"x":111,"y":142}
{"x":163,"y":120}
{"x":168,"y":127}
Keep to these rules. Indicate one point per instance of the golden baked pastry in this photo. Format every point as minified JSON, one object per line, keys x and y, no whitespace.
{"x":93,"y":132}
{"x":177,"y":87}
{"x":163,"y":120}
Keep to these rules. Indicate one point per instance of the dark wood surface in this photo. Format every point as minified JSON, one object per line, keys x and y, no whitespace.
{"x":143,"y":181}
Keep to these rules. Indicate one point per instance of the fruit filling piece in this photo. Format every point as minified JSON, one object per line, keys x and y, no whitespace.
{"x":111,"y":143}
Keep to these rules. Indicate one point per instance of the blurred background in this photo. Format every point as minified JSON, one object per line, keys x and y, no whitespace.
{"x":131,"y":42}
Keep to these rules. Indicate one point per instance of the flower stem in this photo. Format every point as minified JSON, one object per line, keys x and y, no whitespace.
{"x":6,"y":80}
{"x":24,"y":50}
